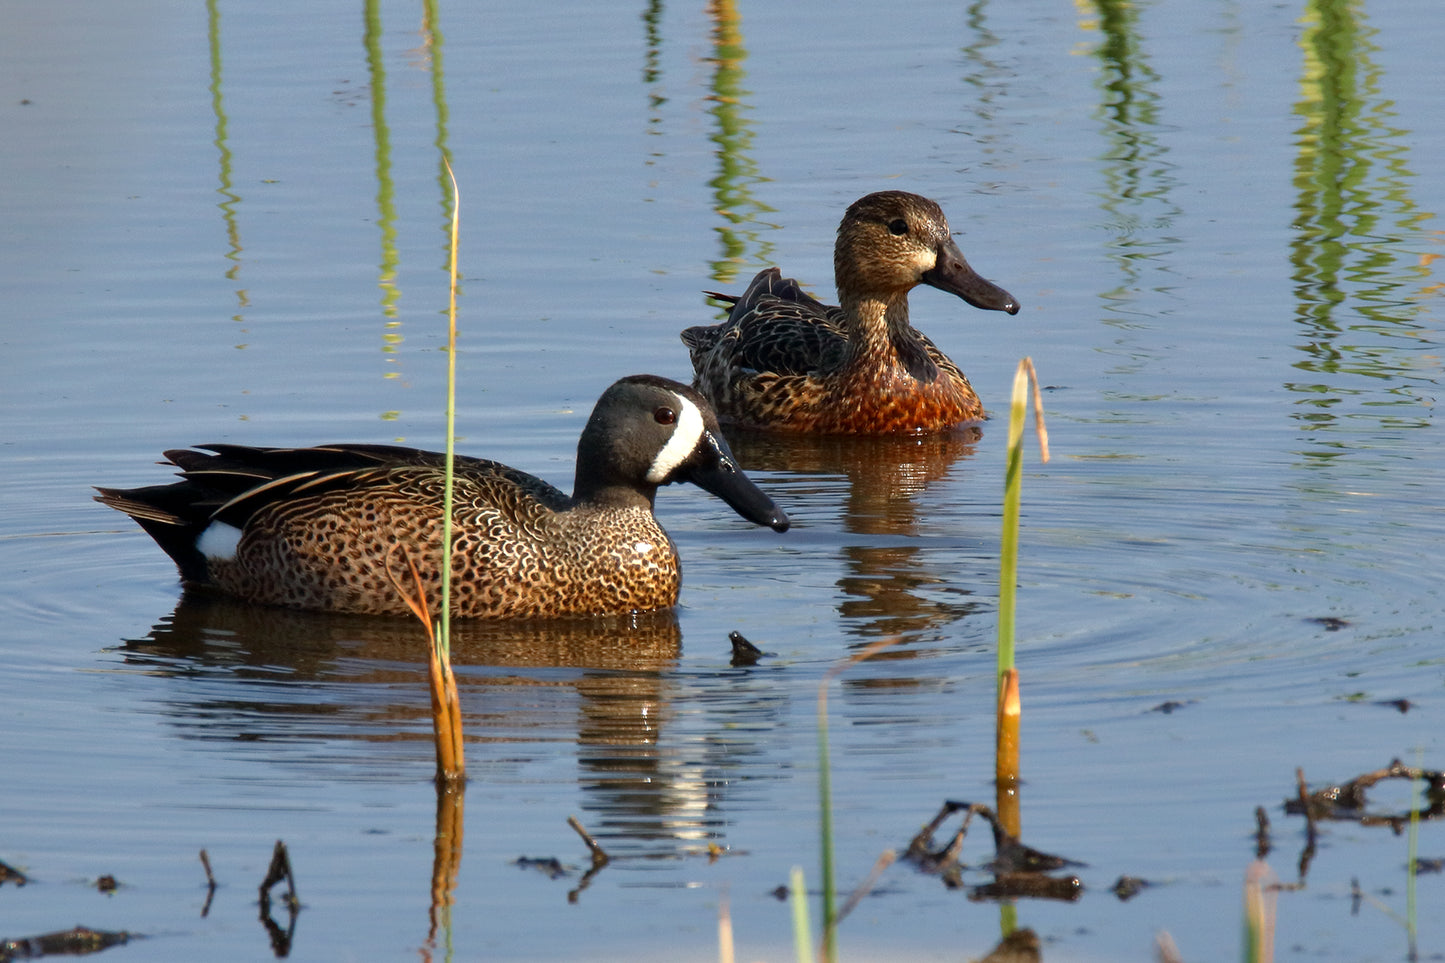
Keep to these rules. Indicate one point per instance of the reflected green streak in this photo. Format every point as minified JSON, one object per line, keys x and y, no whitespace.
{"x":651,"y":64}
{"x":737,"y":171}
{"x":385,"y":188}
{"x":1358,"y":282}
{"x":223,"y":149}
{"x":1138,"y":178}
{"x":987,"y":78}
{"x":432,"y":39}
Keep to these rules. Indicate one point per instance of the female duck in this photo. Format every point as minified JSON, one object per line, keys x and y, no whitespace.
{"x":329,"y":528}
{"x":783,"y":360}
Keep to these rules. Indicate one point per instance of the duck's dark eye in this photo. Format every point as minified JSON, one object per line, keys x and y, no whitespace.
{"x":664,"y":416}
{"x":898,"y":226}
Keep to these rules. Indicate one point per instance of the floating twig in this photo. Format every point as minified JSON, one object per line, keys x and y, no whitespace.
{"x":210,"y":884}
{"x":599,"y":858}
{"x":885,"y":859}
{"x":279,"y":870}
{"x":1019,"y":870}
{"x":599,"y":855}
{"x":1261,"y":833}
{"x":1349,"y":800}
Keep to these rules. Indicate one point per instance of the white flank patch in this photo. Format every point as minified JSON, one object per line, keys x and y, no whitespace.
{"x":219,"y":541}
{"x":643,"y":548}
{"x":685,"y":436}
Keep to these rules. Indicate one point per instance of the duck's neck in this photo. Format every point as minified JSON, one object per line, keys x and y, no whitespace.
{"x":880,"y":337}
{"x":602,"y":494}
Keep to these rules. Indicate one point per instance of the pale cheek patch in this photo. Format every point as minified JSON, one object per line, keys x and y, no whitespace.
{"x":219,"y":541}
{"x":685,"y":436}
{"x":926,"y":259}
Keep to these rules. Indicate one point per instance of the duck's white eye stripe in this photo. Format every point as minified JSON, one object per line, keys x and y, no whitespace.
{"x":685,"y":436}
{"x":219,"y":541}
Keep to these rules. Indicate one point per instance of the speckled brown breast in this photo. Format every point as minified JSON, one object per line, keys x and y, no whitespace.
{"x":856,"y":402}
{"x":512,"y":555}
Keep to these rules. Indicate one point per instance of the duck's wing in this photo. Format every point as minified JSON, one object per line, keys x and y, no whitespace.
{"x":774,"y":326}
{"x":232,"y":483}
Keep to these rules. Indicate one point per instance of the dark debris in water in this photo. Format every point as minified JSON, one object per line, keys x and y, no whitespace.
{"x":1019,"y":870}
{"x":1423,"y":866}
{"x":1331,"y":623}
{"x":1128,"y":887}
{"x":1348,"y":801}
{"x":80,"y":941}
{"x":1028,"y":886}
{"x":1020,"y":946}
{"x":280,"y":871}
{"x":107,"y":884}
{"x":1013,"y":856}
{"x":1171,"y":705}
{"x":744,"y":652}
{"x":549,"y":866}
{"x":9,"y":874}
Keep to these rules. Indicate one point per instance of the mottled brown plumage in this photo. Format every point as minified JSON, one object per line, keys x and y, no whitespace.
{"x":320,"y":528}
{"x":784,"y":360}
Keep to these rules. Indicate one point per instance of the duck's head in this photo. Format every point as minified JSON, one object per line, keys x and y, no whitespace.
{"x":648,"y":431}
{"x":891,"y":241}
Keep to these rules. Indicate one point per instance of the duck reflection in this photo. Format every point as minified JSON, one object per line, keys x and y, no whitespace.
{"x":894,"y":585}
{"x":255,"y":674}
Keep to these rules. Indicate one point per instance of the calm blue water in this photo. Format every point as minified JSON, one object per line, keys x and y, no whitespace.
{"x":226,"y":223}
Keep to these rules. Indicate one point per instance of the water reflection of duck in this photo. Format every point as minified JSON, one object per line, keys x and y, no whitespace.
{"x":210,"y":633}
{"x":319,"y":528}
{"x":884,"y":472}
{"x":784,"y":360}
{"x":530,"y":689}
{"x":905,"y":570}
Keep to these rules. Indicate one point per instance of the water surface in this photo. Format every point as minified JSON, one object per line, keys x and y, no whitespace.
{"x":228,"y":224}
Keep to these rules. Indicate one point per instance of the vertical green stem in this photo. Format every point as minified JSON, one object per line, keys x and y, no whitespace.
{"x":444,"y":637}
{"x":825,"y":822}
{"x":802,"y":926}
{"x":1008,"y":563}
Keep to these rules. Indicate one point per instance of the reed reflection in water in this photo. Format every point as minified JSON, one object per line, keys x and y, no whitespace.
{"x":253,"y":674}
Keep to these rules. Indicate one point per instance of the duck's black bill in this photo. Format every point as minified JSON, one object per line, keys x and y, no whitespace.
{"x":952,"y":274}
{"x":721,"y":476}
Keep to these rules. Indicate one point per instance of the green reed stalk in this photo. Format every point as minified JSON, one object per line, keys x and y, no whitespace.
{"x":1008,"y":561}
{"x":1009,"y":707}
{"x":825,"y":827}
{"x":802,"y":927}
{"x":444,"y":640}
{"x":446,"y":705}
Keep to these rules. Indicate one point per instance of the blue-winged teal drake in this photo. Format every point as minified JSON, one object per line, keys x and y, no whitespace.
{"x":319,"y":528}
{"x":783,"y":360}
